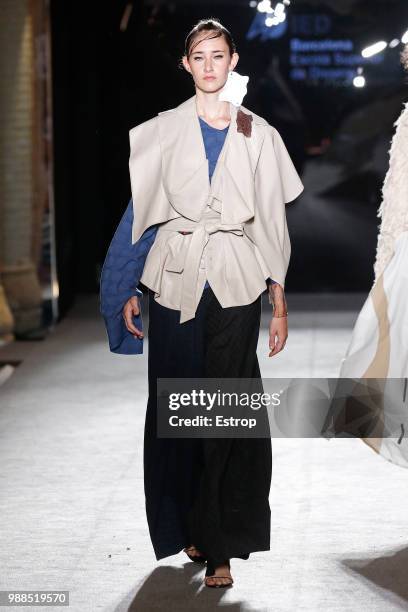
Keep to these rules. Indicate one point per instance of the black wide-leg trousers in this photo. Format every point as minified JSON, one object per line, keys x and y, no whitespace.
{"x":210,"y":492}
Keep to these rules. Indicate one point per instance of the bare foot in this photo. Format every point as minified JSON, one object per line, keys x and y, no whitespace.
{"x":192,"y":551}
{"x":224,"y":576}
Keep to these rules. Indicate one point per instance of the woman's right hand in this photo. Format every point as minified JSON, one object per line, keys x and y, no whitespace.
{"x":130,"y":309}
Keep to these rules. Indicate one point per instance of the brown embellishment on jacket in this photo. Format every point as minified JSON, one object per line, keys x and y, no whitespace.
{"x":244,"y":123}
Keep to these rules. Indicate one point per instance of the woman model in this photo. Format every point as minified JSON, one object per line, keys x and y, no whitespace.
{"x":379,"y":347}
{"x":206,"y":226}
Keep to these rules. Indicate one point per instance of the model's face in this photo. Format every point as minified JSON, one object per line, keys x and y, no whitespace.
{"x":210,"y":62}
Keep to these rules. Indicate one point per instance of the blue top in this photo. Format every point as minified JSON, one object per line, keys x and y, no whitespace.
{"x":213,"y":143}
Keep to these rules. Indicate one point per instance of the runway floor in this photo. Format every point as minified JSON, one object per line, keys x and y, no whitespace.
{"x":72,"y":502}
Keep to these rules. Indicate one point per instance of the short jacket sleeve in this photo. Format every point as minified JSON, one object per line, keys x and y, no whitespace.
{"x":290,"y":184}
{"x":276,"y":183}
{"x":150,"y":202}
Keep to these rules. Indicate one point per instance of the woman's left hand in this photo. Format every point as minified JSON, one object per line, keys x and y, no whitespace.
{"x":278,"y":333}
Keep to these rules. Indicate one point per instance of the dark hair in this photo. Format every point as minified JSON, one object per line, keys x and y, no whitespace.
{"x":404,"y":57}
{"x":208,"y":25}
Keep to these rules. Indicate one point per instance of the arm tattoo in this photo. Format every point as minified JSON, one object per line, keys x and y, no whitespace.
{"x":277,"y":300}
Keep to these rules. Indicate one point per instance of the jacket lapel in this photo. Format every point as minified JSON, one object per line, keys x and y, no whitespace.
{"x":184,"y":163}
{"x":233,"y":185}
{"x":185,"y":167}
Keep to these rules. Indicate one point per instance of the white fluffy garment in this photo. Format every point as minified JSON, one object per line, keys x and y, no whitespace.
{"x":394,"y":206}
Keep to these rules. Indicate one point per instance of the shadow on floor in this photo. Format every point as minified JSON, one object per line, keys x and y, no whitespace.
{"x":177,"y":589}
{"x":388,"y":572}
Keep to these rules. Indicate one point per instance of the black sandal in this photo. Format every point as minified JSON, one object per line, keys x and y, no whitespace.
{"x":197,"y":558}
{"x":210,"y":573}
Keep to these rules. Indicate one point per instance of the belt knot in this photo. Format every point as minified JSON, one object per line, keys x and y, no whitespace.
{"x":199,"y":239}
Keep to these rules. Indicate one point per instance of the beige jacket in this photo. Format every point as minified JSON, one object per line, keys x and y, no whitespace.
{"x":238,"y":232}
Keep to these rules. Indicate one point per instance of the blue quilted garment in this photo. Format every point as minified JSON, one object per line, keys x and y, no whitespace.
{"x":120,"y":276}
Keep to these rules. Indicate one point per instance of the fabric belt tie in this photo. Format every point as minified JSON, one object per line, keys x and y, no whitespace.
{"x":199,"y":239}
